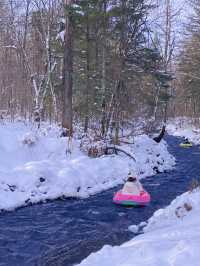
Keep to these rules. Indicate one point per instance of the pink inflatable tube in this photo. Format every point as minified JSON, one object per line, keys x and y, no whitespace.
{"x":132,"y":200}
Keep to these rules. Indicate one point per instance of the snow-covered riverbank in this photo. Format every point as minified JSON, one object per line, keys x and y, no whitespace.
{"x":34,"y":166}
{"x":171,"y":238}
{"x":182,"y":127}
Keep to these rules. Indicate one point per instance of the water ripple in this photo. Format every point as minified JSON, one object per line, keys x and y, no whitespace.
{"x":63,"y":232}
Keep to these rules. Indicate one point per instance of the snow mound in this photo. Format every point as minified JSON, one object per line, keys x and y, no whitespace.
{"x":34,"y":166}
{"x":169,"y":239}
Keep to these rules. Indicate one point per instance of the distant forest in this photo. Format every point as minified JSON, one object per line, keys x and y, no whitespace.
{"x":100,"y":63}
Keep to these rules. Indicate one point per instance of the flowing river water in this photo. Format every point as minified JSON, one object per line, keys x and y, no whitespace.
{"x":64,"y":232}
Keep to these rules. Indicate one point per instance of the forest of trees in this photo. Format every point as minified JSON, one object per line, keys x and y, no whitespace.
{"x":101,"y":63}
{"x":188,"y":71}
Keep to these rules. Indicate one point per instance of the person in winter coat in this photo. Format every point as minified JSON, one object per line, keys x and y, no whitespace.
{"x":132,"y":186}
{"x":186,"y":141}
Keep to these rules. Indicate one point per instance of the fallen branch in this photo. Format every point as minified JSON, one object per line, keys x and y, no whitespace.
{"x":161,"y":135}
{"x":119,"y":150}
{"x":126,"y":142}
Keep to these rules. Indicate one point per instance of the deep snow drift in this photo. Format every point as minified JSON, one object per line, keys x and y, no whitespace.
{"x":171,"y":238}
{"x":34,"y":166}
{"x":182,"y":127}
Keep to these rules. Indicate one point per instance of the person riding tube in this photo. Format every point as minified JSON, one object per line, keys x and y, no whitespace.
{"x":132,"y":186}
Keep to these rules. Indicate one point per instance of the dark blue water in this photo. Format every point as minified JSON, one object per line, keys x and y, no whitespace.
{"x":64,"y":232}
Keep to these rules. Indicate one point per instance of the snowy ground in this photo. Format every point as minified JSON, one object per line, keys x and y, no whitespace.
{"x":34,"y":166}
{"x":183,"y":127}
{"x":171,"y":238}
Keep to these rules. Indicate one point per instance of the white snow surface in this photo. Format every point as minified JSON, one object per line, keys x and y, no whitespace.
{"x":183,"y":127}
{"x":168,"y":239}
{"x":34,"y":166}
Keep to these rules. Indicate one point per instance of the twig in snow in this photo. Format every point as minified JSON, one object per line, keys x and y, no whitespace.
{"x":119,"y":150}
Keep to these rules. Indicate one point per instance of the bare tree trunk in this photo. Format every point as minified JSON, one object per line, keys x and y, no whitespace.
{"x":120,"y":81}
{"x":103,"y":79}
{"x":104,"y":49}
{"x":24,"y":74}
{"x":68,"y":69}
{"x":87,"y":76}
{"x":167,"y":32}
{"x":169,"y":46}
{"x":156,"y":103}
